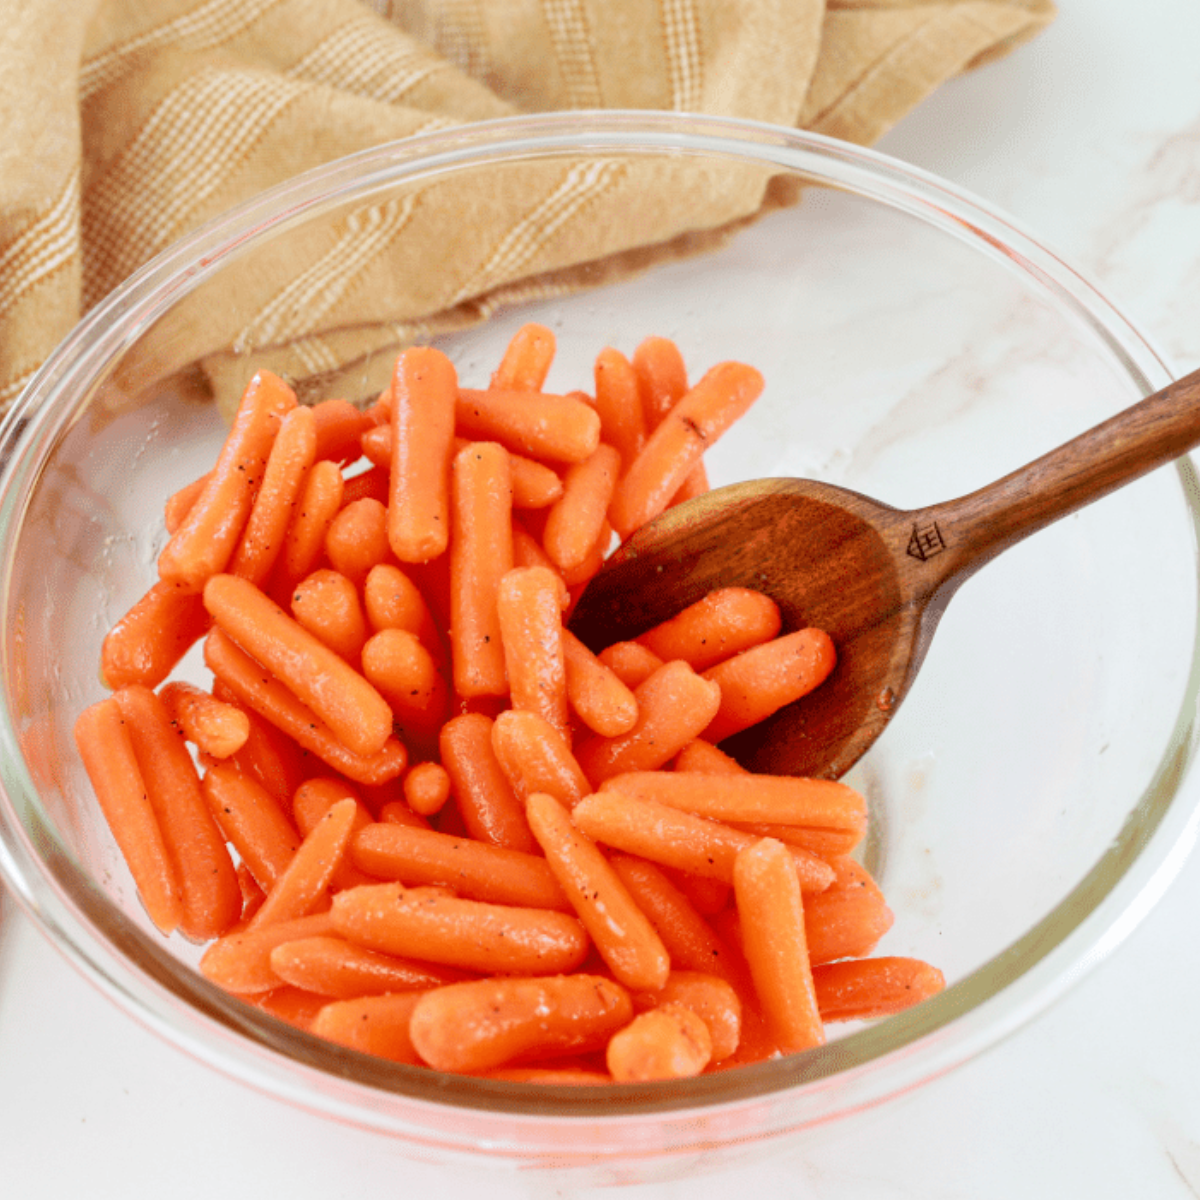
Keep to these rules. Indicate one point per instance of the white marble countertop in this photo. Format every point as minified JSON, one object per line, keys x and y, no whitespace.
{"x":1090,"y":137}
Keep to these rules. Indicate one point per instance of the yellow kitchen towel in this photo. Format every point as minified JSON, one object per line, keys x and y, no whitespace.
{"x":130,"y":122}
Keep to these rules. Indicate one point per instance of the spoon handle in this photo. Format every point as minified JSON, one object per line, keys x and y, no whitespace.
{"x":1147,"y":435}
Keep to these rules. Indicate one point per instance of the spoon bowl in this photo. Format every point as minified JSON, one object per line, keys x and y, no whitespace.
{"x":875,"y":578}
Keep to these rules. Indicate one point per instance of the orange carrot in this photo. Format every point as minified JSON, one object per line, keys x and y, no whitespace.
{"x":213,"y":726}
{"x":240,"y":962}
{"x":674,"y":705}
{"x":104,"y":745}
{"x":469,"y":934}
{"x":695,"y":484}
{"x":304,"y":542}
{"x":708,"y":896}
{"x":210,"y":896}
{"x":619,"y":929}
{"x":485,"y":1023}
{"x":661,"y":377}
{"x":303,"y":884}
{"x":473,"y":869}
{"x":530,"y":617}
{"x":630,"y":662}
{"x":357,"y":538}
{"x":674,"y":838}
{"x":783,"y":799}
{"x":712,"y":999}
{"x":674,"y":448}
{"x":333,"y":967}
{"x":375,"y":1025}
{"x":179,"y":503}
{"x":760,"y":681}
{"x":149,"y":640}
{"x":268,"y":755}
{"x":596,"y":694}
{"x":424,"y":389}
{"x":534,"y":485}
{"x":393,"y":601}
{"x":427,"y":788}
{"x":536,"y":757}
{"x":292,"y":454}
{"x":526,"y":360}
{"x":703,"y":758}
{"x":480,"y":557}
{"x":689,"y":939}
{"x":340,"y":426}
{"x":252,"y":822}
{"x":311,"y":803}
{"x":865,"y":988}
{"x":204,"y":542}
{"x":848,"y":918}
{"x":668,"y":1042}
{"x":397,"y":812}
{"x":489,"y":810}
{"x":371,"y":484}
{"x":575,"y":521}
{"x":289,"y":1004}
{"x":323,"y":681}
{"x":541,"y":426}
{"x":722,"y":624}
{"x":274,"y":701}
{"x":327,"y":604}
{"x":622,"y":421}
{"x":773,"y":941}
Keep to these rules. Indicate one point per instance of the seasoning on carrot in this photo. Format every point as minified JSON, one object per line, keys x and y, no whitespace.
{"x":327,"y":604}
{"x":338,"y":969}
{"x":213,"y":726}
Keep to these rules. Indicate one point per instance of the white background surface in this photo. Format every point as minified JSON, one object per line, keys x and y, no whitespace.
{"x":1089,"y":136}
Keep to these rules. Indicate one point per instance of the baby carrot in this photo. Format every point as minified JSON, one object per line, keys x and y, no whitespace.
{"x":179,"y":503}
{"x":204,"y":542}
{"x":292,"y":454}
{"x":334,"y":967}
{"x":574,"y":522}
{"x":149,"y":640}
{"x":480,"y":557}
{"x":668,"y":1042}
{"x":357,"y":538}
{"x":393,"y":601}
{"x":690,"y":940}
{"x":376,"y":446}
{"x":673,"y":449}
{"x":784,"y":799}
{"x":530,"y":617}
{"x":424,"y":389}
{"x":252,"y":822}
{"x":526,"y":360}
{"x":327,"y":604}
{"x":474,"y":1026}
{"x":695,"y":484}
{"x":311,"y":803}
{"x":760,"y":681}
{"x":427,"y":788}
{"x":213,"y":726}
{"x":674,"y":705}
{"x":104,"y":745}
{"x":722,"y":624}
{"x":241,"y":962}
{"x":303,"y":884}
{"x":865,"y":988}
{"x":475,"y":936}
{"x":622,"y":421}
{"x":375,"y":1025}
{"x":630,"y":662}
{"x":371,"y":484}
{"x":661,"y":377}
{"x":620,"y":931}
{"x":489,"y":810}
{"x":596,"y":694}
{"x":268,"y":755}
{"x":536,"y":757}
{"x":289,"y":1004}
{"x":411,"y":681}
{"x":712,"y":999}
{"x":560,"y":429}
{"x":473,"y":869}
{"x":339,"y":426}
{"x":273,"y":700}
{"x":848,"y":918}
{"x":323,"y":681}
{"x":707,"y":896}
{"x":674,"y":838}
{"x":211,"y":900}
{"x":703,"y":758}
{"x":773,"y":941}
{"x":304,"y":541}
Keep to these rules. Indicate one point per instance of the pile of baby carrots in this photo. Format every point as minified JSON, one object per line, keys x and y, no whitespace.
{"x":413,"y":814}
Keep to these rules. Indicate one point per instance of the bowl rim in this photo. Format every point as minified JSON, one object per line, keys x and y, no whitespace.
{"x":870,"y":1065}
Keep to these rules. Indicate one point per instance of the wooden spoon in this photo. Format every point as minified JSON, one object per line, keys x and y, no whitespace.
{"x":875,"y":578}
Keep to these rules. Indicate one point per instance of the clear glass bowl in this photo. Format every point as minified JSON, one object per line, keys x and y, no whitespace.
{"x":1026,"y":799}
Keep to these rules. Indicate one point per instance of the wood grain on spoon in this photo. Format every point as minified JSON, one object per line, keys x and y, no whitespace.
{"x":876,"y":578}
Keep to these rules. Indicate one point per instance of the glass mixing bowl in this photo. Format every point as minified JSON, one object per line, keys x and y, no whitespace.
{"x":1026,"y":800}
